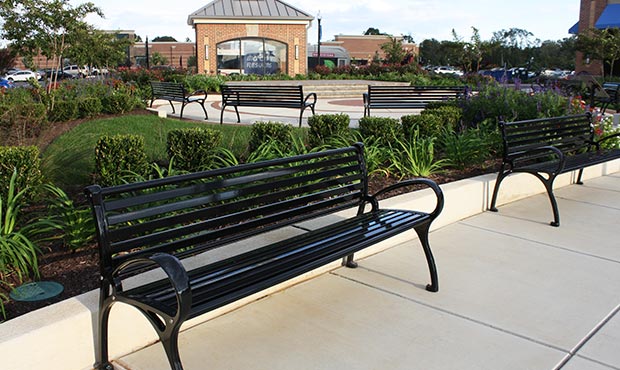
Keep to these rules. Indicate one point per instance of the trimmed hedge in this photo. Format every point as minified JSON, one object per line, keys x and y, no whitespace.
{"x":325,"y":126}
{"x":263,"y":132}
{"x":383,"y":129}
{"x":119,"y":156}
{"x":28,"y":164}
{"x":193,"y":149}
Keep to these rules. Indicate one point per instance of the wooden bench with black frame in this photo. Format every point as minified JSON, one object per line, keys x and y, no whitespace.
{"x":269,"y":96}
{"x":173,"y":91}
{"x":548,"y":147}
{"x":408,"y":97}
{"x":159,"y":222}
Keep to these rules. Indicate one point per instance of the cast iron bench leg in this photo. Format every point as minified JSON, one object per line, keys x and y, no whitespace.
{"x":554,"y":204}
{"x":349,"y":262}
{"x":422,"y":231}
{"x":101,"y":340}
{"x":500,"y":176}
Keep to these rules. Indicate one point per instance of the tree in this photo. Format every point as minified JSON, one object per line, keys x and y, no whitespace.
{"x":393,"y":50}
{"x":158,"y":59}
{"x":43,"y":26}
{"x":603,"y":45}
{"x":164,"y":39}
{"x":372,"y":31}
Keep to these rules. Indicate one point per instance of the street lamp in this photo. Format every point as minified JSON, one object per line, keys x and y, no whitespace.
{"x":172,"y":47}
{"x":318,"y":49}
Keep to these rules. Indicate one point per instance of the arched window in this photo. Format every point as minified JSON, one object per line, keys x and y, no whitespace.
{"x":258,"y":56}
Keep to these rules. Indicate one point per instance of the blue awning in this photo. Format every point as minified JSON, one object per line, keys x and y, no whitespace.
{"x":574,"y":29}
{"x":610,"y":17}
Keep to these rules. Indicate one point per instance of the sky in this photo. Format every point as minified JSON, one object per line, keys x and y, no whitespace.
{"x":422,"y":19}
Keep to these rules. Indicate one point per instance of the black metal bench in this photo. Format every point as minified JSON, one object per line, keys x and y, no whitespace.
{"x":156,"y":223}
{"x":408,"y":97}
{"x":548,"y":147}
{"x":608,"y":95}
{"x":271,"y":96}
{"x":173,"y":91}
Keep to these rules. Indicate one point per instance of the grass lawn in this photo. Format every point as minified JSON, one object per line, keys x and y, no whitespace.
{"x":69,"y":160}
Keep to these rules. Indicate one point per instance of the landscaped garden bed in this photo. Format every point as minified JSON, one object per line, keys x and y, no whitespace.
{"x":93,"y":133}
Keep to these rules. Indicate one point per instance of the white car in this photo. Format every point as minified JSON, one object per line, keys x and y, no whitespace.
{"x":448,"y":70}
{"x":76,"y":71}
{"x":24,"y":75}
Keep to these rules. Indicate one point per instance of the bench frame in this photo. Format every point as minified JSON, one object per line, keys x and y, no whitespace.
{"x":408,"y":97}
{"x":156,"y":223}
{"x":611,"y":96}
{"x":548,"y":147}
{"x":270,"y":96}
{"x":175,"y":91}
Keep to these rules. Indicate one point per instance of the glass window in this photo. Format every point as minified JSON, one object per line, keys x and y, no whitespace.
{"x":252,"y":56}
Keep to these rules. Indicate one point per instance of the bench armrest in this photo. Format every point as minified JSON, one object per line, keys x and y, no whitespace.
{"x":311,"y":95}
{"x":549,"y":148}
{"x":176,"y":273}
{"x":373,"y":199}
{"x":198,"y":92}
{"x":599,"y":141}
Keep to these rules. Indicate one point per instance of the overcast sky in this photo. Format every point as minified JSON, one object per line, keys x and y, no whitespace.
{"x":422,"y":19}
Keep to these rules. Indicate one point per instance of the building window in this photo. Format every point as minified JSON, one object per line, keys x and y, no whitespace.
{"x":251,"y":56}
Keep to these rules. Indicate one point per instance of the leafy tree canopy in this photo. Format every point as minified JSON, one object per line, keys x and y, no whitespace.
{"x":164,"y":38}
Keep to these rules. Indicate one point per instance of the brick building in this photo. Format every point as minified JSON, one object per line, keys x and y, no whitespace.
{"x":250,"y":37}
{"x":599,"y":14}
{"x":364,"y":48}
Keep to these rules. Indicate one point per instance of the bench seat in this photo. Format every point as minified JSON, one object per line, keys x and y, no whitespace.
{"x":173,"y":91}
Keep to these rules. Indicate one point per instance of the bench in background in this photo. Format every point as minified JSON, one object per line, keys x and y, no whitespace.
{"x":156,"y":223}
{"x":408,"y":97}
{"x":608,"y":96}
{"x":271,"y":96}
{"x":173,"y":91}
{"x":548,"y":147}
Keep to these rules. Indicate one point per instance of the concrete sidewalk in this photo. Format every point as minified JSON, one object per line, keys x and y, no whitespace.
{"x":515,"y":293}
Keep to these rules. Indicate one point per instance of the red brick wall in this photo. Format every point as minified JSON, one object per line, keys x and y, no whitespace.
{"x":285,"y":33}
{"x":589,"y":13}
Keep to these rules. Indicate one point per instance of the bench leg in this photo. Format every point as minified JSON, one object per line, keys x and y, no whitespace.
{"x":579,"y":182}
{"x":349,"y":261}
{"x":182,"y":108}
{"x":204,"y":110}
{"x":422,"y":231}
{"x":500,"y":176}
{"x":172,"y":105}
{"x":238,"y":118}
{"x":168,"y":330}
{"x":101,"y":337}
{"x":554,"y":204}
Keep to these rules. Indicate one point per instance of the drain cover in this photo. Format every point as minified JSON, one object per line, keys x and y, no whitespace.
{"x":36,"y":291}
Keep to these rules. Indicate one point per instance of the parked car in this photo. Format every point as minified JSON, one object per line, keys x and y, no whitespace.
{"x":448,"y":70}
{"x":6,"y":84}
{"x":96,"y":71}
{"x":24,"y":75}
{"x":76,"y":71}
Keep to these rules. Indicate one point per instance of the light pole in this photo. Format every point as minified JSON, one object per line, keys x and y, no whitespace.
{"x":318,"y":49}
{"x":172,"y":47}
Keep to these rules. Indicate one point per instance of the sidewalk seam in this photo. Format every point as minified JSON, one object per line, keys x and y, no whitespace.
{"x":445,"y":311}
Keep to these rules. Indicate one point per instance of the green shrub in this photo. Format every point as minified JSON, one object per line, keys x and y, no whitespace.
{"x":26,"y":161}
{"x":449,"y":115}
{"x":63,"y":110}
{"x":263,"y":132}
{"x":119,"y":156}
{"x":20,"y":121}
{"x":427,"y":125}
{"x":385,"y":130}
{"x":118,"y":102}
{"x":470,"y":147}
{"x":89,"y":107}
{"x":193,"y":149}
{"x":415,"y":157}
{"x":325,"y":126}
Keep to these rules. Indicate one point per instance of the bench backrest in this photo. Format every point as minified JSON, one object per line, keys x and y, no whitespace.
{"x":414,"y":94}
{"x":612,"y":89}
{"x":168,"y":89}
{"x":263,"y":94}
{"x":569,"y":134}
{"x":188,"y":214}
